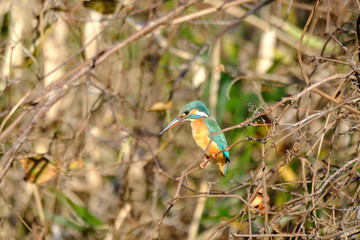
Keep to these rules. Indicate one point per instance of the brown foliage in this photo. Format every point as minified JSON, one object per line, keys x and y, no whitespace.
{"x":86,"y":87}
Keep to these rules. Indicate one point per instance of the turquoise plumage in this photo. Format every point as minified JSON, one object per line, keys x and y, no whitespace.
{"x":220,"y":139}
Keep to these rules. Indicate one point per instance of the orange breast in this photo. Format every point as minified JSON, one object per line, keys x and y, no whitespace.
{"x":201,"y":136}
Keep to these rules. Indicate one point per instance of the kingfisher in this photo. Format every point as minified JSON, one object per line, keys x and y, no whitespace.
{"x":202,"y":127}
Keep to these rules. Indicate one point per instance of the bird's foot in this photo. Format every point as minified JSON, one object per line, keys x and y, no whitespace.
{"x":203,"y":165}
{"x":205,"y":162}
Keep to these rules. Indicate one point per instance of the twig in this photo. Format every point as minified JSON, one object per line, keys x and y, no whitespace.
{"x":60,"y":86}
{"x":337,"y":172}
{"x":298,"y":46}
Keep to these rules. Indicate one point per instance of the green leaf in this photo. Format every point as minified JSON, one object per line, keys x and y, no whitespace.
{"x":85,"y":214}
{"x":64,"y":222}
{"x":314,"y":42}
{"x":82,"y":212}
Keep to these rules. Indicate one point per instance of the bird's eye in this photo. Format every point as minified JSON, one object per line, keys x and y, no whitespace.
{"x":184,"y":114}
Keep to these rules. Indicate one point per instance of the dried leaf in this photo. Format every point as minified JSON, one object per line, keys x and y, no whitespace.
{"x":38,"y":169}
{"x":160,"y":106}
{"x":259,"y":203}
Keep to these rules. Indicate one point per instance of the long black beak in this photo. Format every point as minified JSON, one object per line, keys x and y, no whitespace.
{"x":175,"y":122}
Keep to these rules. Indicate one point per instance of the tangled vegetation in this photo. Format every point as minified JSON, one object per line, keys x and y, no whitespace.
{"x":87,"y":86}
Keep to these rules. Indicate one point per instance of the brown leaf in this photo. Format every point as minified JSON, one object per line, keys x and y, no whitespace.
{"x":160,"y":106}
{"x":259,"y":203}
{"x":38,"y":169}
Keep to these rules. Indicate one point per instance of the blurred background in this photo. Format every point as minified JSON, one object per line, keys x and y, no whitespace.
{"x":86,"y":86}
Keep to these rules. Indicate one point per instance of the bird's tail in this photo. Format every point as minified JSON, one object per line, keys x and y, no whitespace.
{"x":223,"y":168}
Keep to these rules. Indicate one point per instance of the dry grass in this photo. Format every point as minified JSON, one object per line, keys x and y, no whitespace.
{"x":85,"y":93}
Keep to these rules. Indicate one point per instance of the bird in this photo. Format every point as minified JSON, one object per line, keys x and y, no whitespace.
{"x":202,"y":127}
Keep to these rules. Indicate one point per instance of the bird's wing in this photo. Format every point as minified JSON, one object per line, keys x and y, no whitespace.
{"x":219,"y":138}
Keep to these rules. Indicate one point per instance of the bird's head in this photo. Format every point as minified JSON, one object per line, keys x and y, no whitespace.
{"x":191,"y":111}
